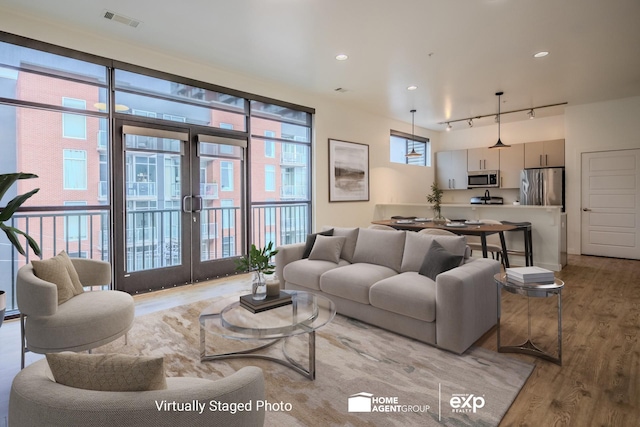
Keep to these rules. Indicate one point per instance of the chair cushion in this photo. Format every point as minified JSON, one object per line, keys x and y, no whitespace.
{"x":311,"y":239}
{"x":380,"y":247}
{"x":83,"y":322}
{"x":409,"y":294}
{"x":306,"y":273}
{"x":438,"y":260}
{"x":108,"y":372}
{"x":353,"y":281}
{"x":60,"y":271}
{"x":418,"y":244}
{"x":327,"y":248}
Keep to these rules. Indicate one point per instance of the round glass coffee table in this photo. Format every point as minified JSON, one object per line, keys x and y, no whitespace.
{"x":228,"y":319}
{"x":531,"y":290}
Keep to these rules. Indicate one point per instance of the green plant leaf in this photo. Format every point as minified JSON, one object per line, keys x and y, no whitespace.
{"x":13,"y":205}
{"x":8,"y":179}
{"x":11,"y":235}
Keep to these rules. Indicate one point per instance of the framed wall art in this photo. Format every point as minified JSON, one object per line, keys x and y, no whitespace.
{"x":348,"y":171}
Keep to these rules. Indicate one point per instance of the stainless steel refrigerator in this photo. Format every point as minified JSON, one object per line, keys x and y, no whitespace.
{"x":542,"y":187}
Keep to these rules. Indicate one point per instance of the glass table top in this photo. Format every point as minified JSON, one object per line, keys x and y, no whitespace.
{"x":306,"y":313}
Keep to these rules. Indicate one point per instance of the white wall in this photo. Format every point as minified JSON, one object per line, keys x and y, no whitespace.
{"x":602,"y":126}
{"x":388,"y":182}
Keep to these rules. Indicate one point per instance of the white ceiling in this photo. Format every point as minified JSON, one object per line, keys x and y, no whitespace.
{"x":458,"y":52}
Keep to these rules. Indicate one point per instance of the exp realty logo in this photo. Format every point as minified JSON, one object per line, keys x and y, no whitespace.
{"x":466,"y":402}
{"x":367,"y":402}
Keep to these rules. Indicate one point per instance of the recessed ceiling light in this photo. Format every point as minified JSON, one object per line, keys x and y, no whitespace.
{"x":541,"y":54}
{"x":342,"y":57}
{"x":412,"y":87}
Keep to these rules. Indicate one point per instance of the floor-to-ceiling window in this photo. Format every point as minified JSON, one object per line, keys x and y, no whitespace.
{"x":57,"y":114}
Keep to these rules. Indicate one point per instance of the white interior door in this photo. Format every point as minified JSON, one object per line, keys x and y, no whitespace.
{"x":611,"y":204}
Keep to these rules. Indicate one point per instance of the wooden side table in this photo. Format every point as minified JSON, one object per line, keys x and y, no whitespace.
{"x":531,"y":290}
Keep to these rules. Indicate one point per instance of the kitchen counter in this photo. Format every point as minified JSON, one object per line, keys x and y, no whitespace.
{"x":548,"y":226}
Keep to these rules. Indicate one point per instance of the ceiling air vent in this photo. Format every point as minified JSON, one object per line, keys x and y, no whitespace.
{"x":112,"y":16}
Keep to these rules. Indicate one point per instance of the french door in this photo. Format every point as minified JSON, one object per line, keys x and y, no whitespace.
{"x":179,"y":203}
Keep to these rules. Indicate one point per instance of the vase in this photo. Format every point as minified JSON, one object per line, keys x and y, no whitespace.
{"x":258,"y":286}
{"x":3,"y":305}
{"x":437,"y":217}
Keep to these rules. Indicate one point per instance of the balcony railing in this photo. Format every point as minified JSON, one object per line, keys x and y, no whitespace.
{"x":103,"y":190}
{"x":152,"y":237}
{"x":102,"y":140}
{"x":294,"y":192}
{"x":141,"y":190}
{"x":209,"y":190}
{"x":293,"y":158}
{"x":82,"y":232}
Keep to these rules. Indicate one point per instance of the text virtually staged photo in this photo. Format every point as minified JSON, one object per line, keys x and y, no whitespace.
{"x":319,"y":214}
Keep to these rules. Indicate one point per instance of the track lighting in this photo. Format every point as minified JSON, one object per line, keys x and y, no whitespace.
{"x":530,"y":112}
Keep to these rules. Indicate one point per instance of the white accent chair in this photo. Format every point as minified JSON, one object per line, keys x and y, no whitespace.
{"x":86,"y":321}
{"x":36,"y":400}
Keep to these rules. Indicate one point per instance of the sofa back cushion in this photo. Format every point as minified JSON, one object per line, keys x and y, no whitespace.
{"x":417,"y":245}
{"x":349,"y":246}
{"x":380,"y":247}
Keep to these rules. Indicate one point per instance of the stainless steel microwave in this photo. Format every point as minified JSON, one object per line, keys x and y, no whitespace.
{"x":480,"y":179}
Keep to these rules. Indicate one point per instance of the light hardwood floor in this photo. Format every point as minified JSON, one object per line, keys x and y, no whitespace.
{"x":597,"y":385}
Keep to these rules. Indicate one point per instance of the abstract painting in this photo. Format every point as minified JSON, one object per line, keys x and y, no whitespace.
{"x":348,"y":171}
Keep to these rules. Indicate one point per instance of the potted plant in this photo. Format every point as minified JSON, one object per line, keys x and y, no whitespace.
{"x":259,"y":262}
{"x":435,"y":198}
{"x":6,"y":181}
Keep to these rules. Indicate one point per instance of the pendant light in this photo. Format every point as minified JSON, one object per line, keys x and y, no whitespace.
{"x":499,"y":144}
{"x":413,"y":152}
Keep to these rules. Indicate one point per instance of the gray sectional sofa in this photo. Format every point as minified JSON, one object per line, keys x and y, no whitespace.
{"x":375,"y":277}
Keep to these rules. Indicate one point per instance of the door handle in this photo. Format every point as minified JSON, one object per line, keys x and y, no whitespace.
{"x":184,"y":204}
{"x":479,"y":164}
{"x":541,"y":160}
{"x":198,"y":204}
{"x":454,"y":183}
{"x":546,"y":160}
{"x":586,"y":209}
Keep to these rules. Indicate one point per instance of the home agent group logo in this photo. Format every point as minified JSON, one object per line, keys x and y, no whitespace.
{"x":367,"y":402}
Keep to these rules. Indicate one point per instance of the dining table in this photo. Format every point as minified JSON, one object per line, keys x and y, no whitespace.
{"x":468,"y":228}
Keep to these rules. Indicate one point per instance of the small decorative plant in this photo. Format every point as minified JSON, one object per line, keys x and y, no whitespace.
{"x":6,"y":181}
{"x":258,"y":260}
{"x":435,"y":198}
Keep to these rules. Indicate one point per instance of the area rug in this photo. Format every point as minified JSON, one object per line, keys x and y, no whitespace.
{"x":365,"y":376}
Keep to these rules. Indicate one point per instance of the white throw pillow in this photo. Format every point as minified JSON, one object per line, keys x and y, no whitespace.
{"x":327,"y":248}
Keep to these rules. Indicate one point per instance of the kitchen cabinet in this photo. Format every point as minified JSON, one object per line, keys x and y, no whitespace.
{"x":479,"y":159}
{"x":451,"y":169}
{"x":544,"y":154}
{"x":511,"y":163}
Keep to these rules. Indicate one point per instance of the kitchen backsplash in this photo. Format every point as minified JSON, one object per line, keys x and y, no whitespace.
{"x":509,"y":195}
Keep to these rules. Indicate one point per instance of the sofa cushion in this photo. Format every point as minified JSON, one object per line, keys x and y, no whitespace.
{"x":311,"y":239}
{"x":350,"y":244}
{"x":380,"y":247}
{"x":306,"y":273}
{"x":327,"y":248}
{"x":108,"y":372}
{"x":418,"y":244}
{"x":409,"y":294}
{"x":438,"y":260}
{"x":353,"y":281}
{"x":57,"y":270}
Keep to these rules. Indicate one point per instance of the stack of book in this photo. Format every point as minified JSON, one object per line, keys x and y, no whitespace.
{"x":530,"y":275}
{"x":270,"y":302}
